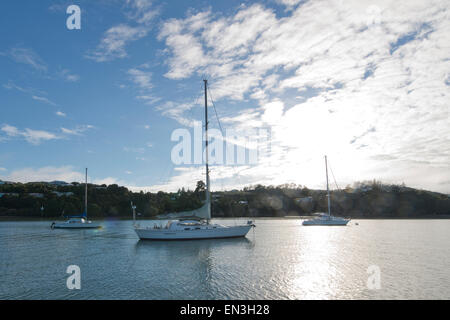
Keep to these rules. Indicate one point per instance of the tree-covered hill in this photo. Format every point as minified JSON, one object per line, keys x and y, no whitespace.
{"x":368,"y":200}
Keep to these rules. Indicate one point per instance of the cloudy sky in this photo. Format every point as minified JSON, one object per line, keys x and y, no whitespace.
{"x":365,"y":82}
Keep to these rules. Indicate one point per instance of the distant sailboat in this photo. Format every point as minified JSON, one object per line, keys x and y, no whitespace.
{"x":326,"y":219}
{"x":77,"y":221}
{"x":194,"y":224}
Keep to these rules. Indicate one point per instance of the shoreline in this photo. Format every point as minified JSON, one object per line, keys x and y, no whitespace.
{"x":18,"y":219}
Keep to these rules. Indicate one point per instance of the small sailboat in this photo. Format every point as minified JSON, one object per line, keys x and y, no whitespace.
{"x":325,"y":219}
{"x":195,"y":224}
{"x":78,"y":221}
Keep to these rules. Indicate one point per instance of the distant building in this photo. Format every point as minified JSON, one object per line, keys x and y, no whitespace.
{"x":363,"y":189}
{"x":9,"y":194}
{"x":60,"y":183}
{"x":304,"y":199}
{"x":36,"y":195}
{"x":63,"y":194}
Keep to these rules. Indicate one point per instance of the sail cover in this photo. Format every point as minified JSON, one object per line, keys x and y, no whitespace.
{"x":204,"y":212}
{"x":83,"y":215}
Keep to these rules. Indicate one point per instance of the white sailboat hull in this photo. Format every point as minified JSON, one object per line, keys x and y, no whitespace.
{"x":326,"y":219}
{"x":78,"y":222}
{"x":331,"y":221}
{"x":76,"y":225}
{"x":194,"y":224}
{"x":80,"y":226}
{"x":204,"y":233}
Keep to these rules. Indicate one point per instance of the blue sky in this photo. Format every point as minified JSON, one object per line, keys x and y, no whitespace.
{"x":366,"y":84}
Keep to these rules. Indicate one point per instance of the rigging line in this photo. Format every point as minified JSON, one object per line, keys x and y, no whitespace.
{"x":164,"y":174}
{"x":217,"y":116}
{"x":215,"y":111}
{"x":331,"y":169}
{"x":223,"y":137}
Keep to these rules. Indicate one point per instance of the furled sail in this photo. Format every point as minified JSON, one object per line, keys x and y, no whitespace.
{"x":204,"y":212}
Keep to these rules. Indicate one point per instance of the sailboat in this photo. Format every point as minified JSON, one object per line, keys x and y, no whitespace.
{"x":195,"y":224}
{"x":77,"y":221}
{"x":325,"y":219}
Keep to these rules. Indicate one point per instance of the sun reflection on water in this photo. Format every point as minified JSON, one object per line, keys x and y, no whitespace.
{"x":315,"y":273}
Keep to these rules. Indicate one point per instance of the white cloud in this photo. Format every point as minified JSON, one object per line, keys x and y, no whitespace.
{"x":217,"y":48}
{"x":134,"y":150}
{"x":50,"y":173}
{"x":189,"y":55}
{"x":289,"y":4}
{"x":107,"y":181}
{"x":112,"y":45}
{"x":68,"y":76}
{"x":44,"y":99}
{"x":60,"y":114}
{"x":141,"y":11}
{"x":35,"y":94}
{"x":77,"y":130}
{"x":372,"y":83}
{"x":273,"y":112}
{"x":222,"y":178}
{"x":64,"y":173}
{"x":36,"y":137}
{"x":32,"y":136}
{"x":11,"y":85}
{"x":58,"y":7}
{"x":141,"y":78}
{"x":186,"y":177}
{"x":31,"y":91}
{"x":29,"y":57}
{"x":176,"y":111}
{"x":10,"y":130}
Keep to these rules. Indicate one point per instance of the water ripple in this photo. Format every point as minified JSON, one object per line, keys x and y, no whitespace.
{"x":280,"y":260}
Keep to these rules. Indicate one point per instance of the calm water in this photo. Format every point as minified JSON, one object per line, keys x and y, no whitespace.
{"x":279,"y":260}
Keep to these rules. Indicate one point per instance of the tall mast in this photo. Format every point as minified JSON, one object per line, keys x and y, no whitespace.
{"x":328,"y":189}
{"x":208,"y":197}
{"x":85,"y":195}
